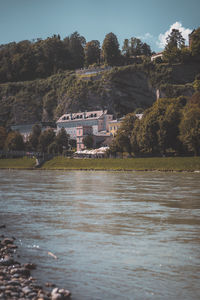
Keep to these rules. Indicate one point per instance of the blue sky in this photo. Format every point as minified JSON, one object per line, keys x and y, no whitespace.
{"x":149,"y":20}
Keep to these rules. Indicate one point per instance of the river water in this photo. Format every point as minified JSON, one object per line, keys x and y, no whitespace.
{"x":117,"y":235}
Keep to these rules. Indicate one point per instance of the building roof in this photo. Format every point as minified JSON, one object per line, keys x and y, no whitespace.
{"x":70,"y":117}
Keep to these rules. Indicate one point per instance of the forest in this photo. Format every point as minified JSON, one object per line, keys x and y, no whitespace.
{"x":38,"y":83}
{"x":29,"y":60}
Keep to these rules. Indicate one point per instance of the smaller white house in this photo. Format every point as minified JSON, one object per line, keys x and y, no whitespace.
{"x":157,"y":55}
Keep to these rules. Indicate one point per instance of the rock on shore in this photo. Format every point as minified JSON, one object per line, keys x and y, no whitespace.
{"x":16,"y":281}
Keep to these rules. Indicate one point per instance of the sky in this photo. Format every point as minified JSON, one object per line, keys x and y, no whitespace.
{"x":149,"y":20}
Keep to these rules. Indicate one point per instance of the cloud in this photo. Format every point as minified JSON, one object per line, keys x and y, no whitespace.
{"x":146,"y":36}
{"x":177,"y":25}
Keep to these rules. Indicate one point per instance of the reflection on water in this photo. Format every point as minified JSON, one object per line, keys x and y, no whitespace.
{"x":117,"y":235}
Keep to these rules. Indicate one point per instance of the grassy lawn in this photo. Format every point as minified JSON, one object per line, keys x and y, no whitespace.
{"x":17,"y":163}
{"x":159,"y":163}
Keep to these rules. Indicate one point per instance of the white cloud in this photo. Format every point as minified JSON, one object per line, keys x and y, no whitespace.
{"x":177,"y":25}
{"x":146,"y":36}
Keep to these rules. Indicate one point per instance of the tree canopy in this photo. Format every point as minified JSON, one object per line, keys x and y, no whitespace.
{"x":88,"y":141}
{"x":110,"y":49}
{"x":134,"y":46}
{"x":175,"y":43}
{"x":190,"y":128}
{"x":92,"y":52}
{"x":14,"y":141}
{"x":156,"y":133}
{"x":3,"y":135}
{"x":195,"y":44}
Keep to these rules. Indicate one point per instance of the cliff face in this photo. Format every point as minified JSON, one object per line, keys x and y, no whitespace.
{"x":120,"y":90}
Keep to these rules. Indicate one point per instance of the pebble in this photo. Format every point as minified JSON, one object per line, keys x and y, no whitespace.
{"x":16,"y":282}
{"x":7,"y":241}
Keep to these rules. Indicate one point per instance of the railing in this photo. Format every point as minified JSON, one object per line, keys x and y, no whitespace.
{"x":18,"y":154}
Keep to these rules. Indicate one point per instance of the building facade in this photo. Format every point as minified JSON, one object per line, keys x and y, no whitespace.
{"x":81,"y":132}
{"x":114,"y":126}
{"x":98,"y":120}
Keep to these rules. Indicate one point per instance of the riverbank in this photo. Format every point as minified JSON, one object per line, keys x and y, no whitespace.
{"x":125,"y":164}
{"x":16,"y":281}
{"x":17,"y":163}
{"x":164,"y":164}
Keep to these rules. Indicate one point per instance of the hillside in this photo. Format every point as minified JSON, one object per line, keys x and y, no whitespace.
{"x":120,"y":90}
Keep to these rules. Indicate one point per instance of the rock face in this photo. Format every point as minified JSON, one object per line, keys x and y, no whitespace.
{"x":16,"y":281}
{"x":120,"y":90}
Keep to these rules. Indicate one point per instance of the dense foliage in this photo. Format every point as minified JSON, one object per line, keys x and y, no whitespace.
{"x":175,"y":50}
{"x":169,"y":126}
{"x":28,"y":60}
{"x":38,"y":141}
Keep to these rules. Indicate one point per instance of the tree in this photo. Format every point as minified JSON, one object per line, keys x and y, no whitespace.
{"x":88,"y":141}
{"x":135,"y":137}
{"x":34,"y":137}
{"x":175,"y":39}
{"x":190,"y":128}
{"x":53,"y":148}
{"x":195,"y":44}
{"x":62,"y":140}
{"x":110,"y":49}
{"x":3,"y":135}
{"x":134,"y":47}
{"x":172,"y":54}
{"x":45,"y":139}
{"x":126,"y":48}
{"x":14,"y":141}
{"x":49,"y":103}
{"x":92,"y":52}
{"x":75,"y":43}
{"x":158,"y":129}
{"x":148,"y":139}
{"x":175,"y":42}
{"x":146,"y":49}
{"x":122,"y":140}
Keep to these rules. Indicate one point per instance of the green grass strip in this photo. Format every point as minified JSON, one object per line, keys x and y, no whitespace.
{"x":158,"y":163}
{"x":17,"y":163}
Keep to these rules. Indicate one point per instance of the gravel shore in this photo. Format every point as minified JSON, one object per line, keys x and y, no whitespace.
{"x":16,"y":281}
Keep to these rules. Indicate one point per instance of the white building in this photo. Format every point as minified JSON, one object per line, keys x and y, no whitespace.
{"x":157,"y":55}
{"x":98,"y":120}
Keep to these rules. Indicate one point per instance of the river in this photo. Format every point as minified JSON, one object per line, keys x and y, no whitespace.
{"x":117,"y":235}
